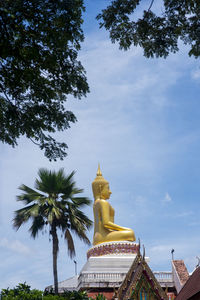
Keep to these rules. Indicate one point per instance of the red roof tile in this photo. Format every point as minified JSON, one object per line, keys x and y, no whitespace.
{"x":191,"y":287}
{"x":181,"y":270}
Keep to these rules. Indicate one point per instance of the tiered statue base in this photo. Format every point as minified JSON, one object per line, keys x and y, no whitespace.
{"x":107,"y":265}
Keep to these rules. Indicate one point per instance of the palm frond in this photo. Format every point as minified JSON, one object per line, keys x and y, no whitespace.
{"x":18,"y":220}
{"x":54,"y":182}
{"x":22,"y":215}
{"x":56,"y":211}
{"x":69,"y":178}
{"x":80,"y":231}
{"x":50,"y":217}
{"x":50,"y":201}
{"x":70,"y":243}
{"x":29,"y":195}
{"x":63,"y":223}
{"x":79,"y":224}
{"x":82,"y":235}
{"x":37,"y":225}
{"x":77,"y":191}
{"x":81,"y":201}
{"x":76,"y":217}
{"x":45,"y":181}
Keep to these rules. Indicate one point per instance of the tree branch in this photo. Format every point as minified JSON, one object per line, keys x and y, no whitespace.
{"x":152,"y":1}
{"x":34,"y":141}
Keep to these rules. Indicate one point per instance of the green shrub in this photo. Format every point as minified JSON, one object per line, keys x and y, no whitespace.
{"x":23,"y":292}
{"x":100,"y":297}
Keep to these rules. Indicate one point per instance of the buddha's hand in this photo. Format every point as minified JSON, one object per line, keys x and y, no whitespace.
{"x":126,"y":229}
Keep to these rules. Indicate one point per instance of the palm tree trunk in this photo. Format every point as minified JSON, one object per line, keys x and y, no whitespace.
{"x":55,"y":256}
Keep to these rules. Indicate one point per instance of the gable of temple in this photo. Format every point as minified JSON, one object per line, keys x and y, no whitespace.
{"x":140,"y":283}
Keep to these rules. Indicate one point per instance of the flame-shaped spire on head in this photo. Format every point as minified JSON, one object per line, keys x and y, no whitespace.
{"x":99,"y":170}
{"x":98,"y":183}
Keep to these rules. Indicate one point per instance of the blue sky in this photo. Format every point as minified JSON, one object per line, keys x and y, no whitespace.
{"x":141,"y":121}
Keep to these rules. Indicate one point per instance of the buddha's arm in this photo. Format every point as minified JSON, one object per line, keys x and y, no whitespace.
{"x":106,"y":218}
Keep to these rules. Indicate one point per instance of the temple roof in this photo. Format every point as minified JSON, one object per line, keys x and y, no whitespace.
{"x":69,"y":284}
{"x":191,"y":287}
{"x":181,"y":270}
{"x":140,"y":271}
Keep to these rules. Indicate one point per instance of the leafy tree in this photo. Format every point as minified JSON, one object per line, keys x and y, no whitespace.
{"x":21,"y":292}
{"x":54,"y":203}
{"x":157,"y":33}
{"x":39,"y":68}
{"x":24,"y":292}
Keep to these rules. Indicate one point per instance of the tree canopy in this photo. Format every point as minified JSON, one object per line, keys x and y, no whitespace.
{"x":39,"y":68}
{"x":158,"y":33}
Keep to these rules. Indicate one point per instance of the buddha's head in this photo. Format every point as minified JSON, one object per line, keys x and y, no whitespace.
{"x":100,"y":187}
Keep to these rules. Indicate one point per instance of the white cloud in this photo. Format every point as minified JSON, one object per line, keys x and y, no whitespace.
{"x":15,"y":246}
{"x":184,"y":214}
{"x":195,"y":74}
{"x":160,"y":249}
{"x":167,"y":198}
{"x":140,"y":200}
{"x":194,"y":223}
{"x":185,"y":248}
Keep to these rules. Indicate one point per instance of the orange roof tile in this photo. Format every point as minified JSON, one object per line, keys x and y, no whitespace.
{"x":181,"y":270}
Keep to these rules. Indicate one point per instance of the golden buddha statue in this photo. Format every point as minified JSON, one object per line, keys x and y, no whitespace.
{"x":105,"y":230}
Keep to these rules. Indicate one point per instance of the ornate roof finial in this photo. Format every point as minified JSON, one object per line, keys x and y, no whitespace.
{"x":172,"y":253}
{"x":198,"y":264}
{"x":143,"y":256}
{"x":139,"y":245}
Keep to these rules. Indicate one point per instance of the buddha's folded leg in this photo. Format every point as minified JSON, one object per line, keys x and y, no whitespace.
{"x":124,"y":235}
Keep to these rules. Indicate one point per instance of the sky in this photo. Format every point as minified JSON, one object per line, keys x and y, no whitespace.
{"x":141,"y":122}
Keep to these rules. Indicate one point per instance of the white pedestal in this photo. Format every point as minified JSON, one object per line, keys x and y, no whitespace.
{"x":107,"y":270}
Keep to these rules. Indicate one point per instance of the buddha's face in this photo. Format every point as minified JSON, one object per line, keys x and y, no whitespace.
{"x":106,"y":192}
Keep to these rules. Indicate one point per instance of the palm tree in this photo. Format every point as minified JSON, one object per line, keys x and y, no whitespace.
{"x":55,"y":204}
